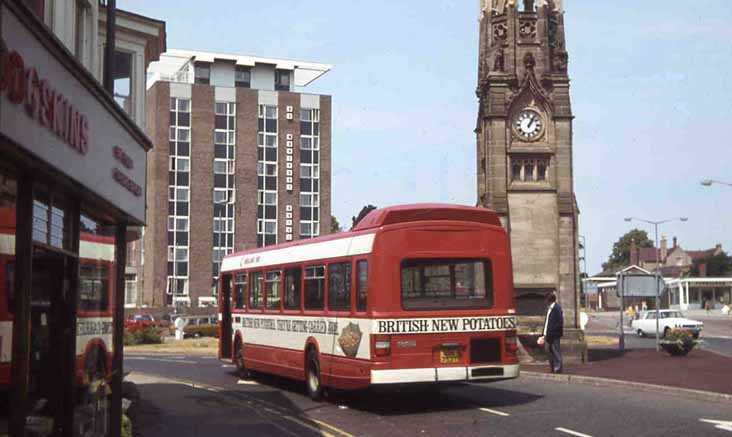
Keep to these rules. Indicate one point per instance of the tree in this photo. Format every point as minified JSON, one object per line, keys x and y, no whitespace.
{"x":334,"y":225}
{"x":620,"y":257}
{"x":364,"y":212}
{"x":717,"y":265}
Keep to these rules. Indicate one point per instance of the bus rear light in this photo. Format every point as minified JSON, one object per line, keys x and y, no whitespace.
{"x":511,"y":311}
{"x":382,"y":345}
{"x":511,"y":342}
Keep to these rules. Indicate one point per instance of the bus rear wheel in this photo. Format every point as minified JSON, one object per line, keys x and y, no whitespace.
{"x":312,"y":376}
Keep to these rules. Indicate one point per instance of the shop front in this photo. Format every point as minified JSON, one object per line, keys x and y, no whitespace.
{"x":72,"y":179}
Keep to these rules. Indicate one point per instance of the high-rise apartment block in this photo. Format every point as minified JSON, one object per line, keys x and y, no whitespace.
{"x":241,"y":160}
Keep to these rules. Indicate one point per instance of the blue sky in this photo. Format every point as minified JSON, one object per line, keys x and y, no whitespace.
{"x":649,"y":90}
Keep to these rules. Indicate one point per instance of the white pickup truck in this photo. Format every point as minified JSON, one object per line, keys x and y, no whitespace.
{"x":667,"y":320}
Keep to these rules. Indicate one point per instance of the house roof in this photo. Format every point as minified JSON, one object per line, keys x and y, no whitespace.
{"x":695,"y":254}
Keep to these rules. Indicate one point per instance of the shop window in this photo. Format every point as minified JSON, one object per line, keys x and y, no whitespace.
{"x":51,"y":221}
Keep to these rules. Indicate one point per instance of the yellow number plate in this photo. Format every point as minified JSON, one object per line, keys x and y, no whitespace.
{"x":449,"y":356}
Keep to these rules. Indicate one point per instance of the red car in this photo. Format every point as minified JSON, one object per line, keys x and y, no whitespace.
{"x":140,"y":321}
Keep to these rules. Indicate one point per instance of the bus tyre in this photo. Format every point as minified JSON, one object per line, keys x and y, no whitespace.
{"x":312,"y":376}
{"x":239,"y":359}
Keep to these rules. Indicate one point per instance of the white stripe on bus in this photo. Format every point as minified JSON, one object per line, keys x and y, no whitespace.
{"x":94,"y":250}
{"x":348,"y":246}
{"x":7,"y":244}
{"x":6,"y":341}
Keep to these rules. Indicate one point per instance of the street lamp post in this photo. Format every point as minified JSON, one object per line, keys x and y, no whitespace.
{"x":709,"y":182}
{"x":658,"y":271}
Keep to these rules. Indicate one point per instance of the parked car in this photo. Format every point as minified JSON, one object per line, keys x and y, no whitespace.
{"x":668,"y":320}
{"x":200,"y":326}
{"x":141,"y":321}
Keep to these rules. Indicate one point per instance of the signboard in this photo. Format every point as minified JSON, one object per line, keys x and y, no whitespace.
{"x":49,"y":112}
{"x":640,"y":285}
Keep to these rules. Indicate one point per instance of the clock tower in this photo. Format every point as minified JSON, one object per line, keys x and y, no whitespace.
{"x":524,"y":157}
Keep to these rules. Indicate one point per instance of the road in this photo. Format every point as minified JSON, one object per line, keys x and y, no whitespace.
{"x":716,"y":336}
{"x":520,"y":407}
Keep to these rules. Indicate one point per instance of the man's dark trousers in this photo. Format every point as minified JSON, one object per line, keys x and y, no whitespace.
{"x":555,"y":331}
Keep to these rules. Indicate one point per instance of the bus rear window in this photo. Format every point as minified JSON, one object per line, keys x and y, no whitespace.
{"x":433,"y":284}
{"x":94,"y":287}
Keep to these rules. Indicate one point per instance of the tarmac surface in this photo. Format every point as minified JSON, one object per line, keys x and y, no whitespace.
{"x":185,"y":395}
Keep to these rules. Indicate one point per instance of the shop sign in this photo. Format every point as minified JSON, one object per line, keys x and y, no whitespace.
{"x":47,"y":109}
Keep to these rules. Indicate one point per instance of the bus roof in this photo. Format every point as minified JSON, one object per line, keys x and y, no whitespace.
{"x":359,"y":240}
{"x":425,"y":212}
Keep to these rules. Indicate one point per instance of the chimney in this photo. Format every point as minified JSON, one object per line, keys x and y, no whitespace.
{"x":675,"y":243}
{"x":664,"y":250}
{"x":718,"y":248}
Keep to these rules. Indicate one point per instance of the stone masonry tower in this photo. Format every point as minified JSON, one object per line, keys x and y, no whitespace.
{"x":524,"y":135}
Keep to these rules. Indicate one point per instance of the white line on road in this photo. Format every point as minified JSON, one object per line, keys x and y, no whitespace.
{"x":569,"y":431}
{"x":164,"y":360}
{"x":228,"y":366}
{"x":496,"y":412}
{"x":245,"y":382}
{"x":719,"y":424}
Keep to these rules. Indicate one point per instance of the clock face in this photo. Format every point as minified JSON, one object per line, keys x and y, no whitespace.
{"x":529,"y":125}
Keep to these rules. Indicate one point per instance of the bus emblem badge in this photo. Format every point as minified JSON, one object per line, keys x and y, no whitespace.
{"x":350,"y":339}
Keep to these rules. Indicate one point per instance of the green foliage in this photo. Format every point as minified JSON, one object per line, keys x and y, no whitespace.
{"x":142,"y":336}
{"x":334,"y":225}
{"x":679,"y":342}
{"x":620,"y":257}
{"x":364,"y":212}
{"x":717,"y":265}
{"x":126,"y":426}
{"x":201,"y":331}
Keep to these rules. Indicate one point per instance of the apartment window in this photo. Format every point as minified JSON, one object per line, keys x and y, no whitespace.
{"x":530,"y":169}
{"x":130,"y":289}
{"x":82,"y":29}
{"x":202,"y":73}
{"x":123,"y":80}
{"x":309,"y":172}
{"x":267,"y":176}
{"x":243,"y":76}
{"x":282,"y":80}
{"x":339,"y":286}
{"x":179,"y":198}
{"x":314,"y":287}
{"x":224,"y":197}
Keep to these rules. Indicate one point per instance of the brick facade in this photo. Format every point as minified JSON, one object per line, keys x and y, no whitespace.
{"x":203,"y":99}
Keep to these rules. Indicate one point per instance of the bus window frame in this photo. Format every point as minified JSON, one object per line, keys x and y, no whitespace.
{"x":323,"y":310}
{"x":355,"y":286}
{"x":328,"y":310}
{"x":285,"y":268}
{"x":272,"y":269}
{"x":245,"y":292}
{"x":249,"y":308}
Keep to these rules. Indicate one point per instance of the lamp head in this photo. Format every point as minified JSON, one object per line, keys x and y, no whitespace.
{"x":684,"y":219}
{"x":707,"y":182}
{"x":627,"y":219}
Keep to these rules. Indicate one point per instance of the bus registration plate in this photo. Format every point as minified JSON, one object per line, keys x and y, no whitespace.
{"x":449,"y":356}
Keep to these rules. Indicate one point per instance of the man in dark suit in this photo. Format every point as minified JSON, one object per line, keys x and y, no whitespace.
{"x":553,"y":331}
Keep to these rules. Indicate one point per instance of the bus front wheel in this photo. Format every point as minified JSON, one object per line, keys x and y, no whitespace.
{"x":312,"y":376}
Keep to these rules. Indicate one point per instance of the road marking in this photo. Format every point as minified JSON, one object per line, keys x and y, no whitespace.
{"x":245,"y":382}
{"x":331,"y":427}
{"x":228,"y":366}
{"x":308,"y":426}
{"x":569,"y":431}
{"x":164,"y":360}
{"x":496,"y":412}
{"x":719,"y":424}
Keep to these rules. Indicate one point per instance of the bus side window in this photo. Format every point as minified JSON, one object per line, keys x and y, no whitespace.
{"x":240,"y":289}
{"x":292,"y":288}
{"x":362,"y":277}
{"x":339,"y":286}
{"x":255,"y":290}
{"x":314,"y":287}
{"x":272,"y":288}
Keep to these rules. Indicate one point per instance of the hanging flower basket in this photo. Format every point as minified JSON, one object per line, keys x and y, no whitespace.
{"x":678,"y":342}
